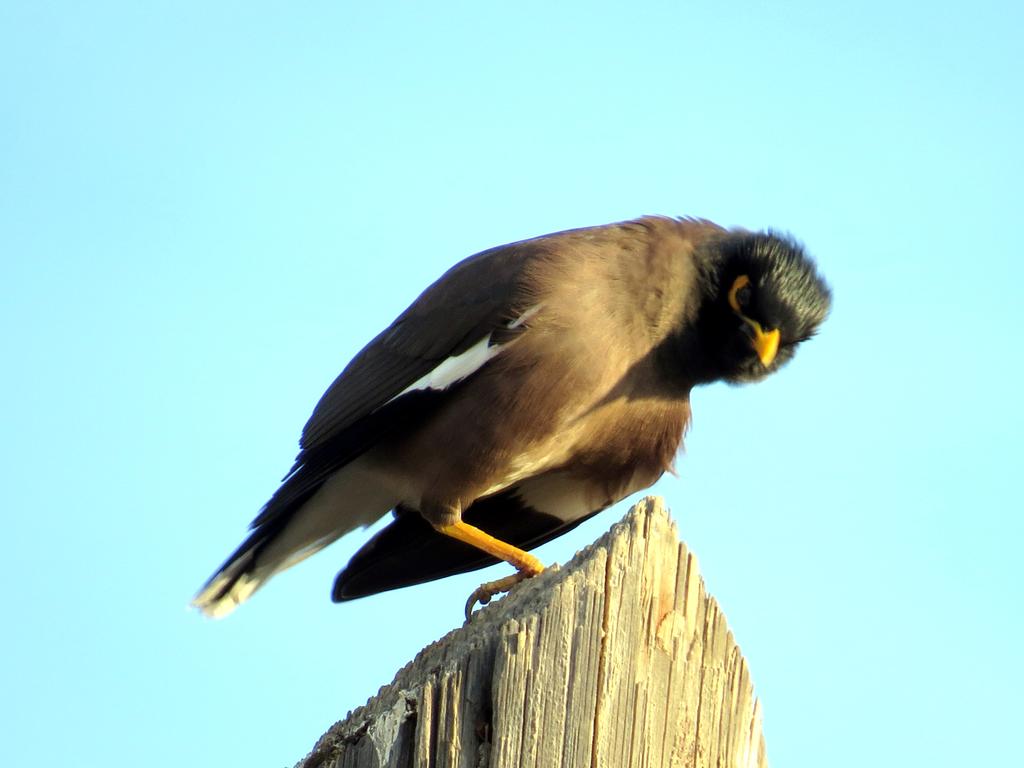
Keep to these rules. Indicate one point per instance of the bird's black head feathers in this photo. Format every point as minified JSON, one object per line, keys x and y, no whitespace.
{"x":755,"y":284}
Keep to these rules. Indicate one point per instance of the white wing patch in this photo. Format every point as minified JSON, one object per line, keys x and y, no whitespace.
{"x":454,"y":369}
{"x":521,"y":320}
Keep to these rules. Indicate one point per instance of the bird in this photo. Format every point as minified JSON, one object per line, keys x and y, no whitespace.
{"x":530,"y":387}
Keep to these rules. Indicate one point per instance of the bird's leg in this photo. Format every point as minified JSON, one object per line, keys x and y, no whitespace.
{"x":525,"y":564}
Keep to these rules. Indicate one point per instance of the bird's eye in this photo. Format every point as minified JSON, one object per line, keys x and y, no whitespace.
{"x":739,"y":294}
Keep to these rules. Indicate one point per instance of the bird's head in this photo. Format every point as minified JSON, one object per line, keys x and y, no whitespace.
{"x":763,"y":296}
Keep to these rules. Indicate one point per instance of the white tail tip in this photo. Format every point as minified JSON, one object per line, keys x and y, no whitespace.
{"x":216,"y":607}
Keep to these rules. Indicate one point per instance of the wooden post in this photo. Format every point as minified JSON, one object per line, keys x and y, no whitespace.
{"x":619,"y":659}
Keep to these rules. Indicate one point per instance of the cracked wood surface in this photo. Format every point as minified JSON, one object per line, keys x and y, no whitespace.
{"x":618,"y":659}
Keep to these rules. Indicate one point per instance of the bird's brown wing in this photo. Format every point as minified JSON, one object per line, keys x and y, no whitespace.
{"x":479,"y":296}
{"x":472,"y":299}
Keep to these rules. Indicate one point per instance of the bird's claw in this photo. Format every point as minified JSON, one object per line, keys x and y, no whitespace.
{"x":486,"y":591}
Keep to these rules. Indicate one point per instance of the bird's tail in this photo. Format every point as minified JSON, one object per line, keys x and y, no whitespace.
{"x":351,"y":498}
{"x":260,"y":557}
{"x":233,"y":583}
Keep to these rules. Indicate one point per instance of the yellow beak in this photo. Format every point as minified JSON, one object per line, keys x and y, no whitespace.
{"x":765,"y":344}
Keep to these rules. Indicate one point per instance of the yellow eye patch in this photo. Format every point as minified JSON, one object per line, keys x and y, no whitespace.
{"x":738,"y":284}
{"x":765,"y":344}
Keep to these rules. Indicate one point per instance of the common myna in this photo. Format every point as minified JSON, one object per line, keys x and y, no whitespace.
{"x":532,"y":386}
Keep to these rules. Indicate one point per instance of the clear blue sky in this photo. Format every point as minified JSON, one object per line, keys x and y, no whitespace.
{"x":207,"y":208}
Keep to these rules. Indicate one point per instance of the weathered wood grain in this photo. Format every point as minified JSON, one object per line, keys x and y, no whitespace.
{"x":618,"y":659}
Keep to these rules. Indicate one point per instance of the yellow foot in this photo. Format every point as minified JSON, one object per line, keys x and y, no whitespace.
{"x":526,"y":564}
{"x":486,"y":591}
